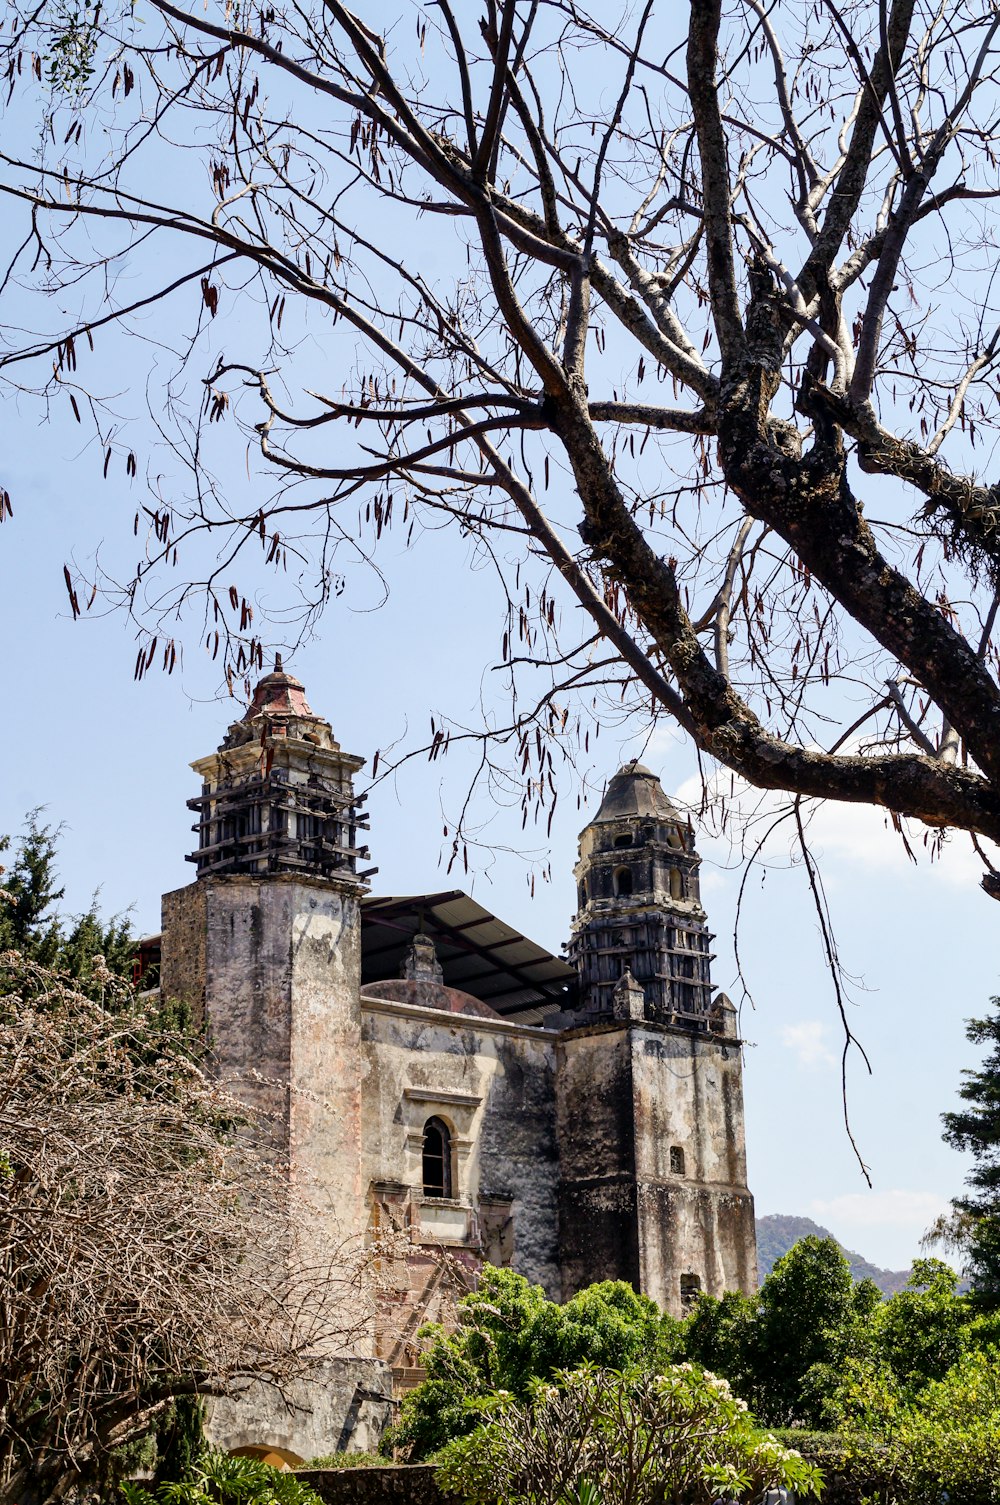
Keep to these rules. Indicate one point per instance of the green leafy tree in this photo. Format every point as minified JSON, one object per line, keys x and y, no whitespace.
{"x":908,"y":1342}
{"x":943,"y":1445}
{"x":783,"y":1349}
{"x":27,"y":923}
{"x":180,"y":1441}
{"x":509,"y":1335}
{"x":925,"y":1329}
{"x":31,"y":923}
{"x":975,"y":1130}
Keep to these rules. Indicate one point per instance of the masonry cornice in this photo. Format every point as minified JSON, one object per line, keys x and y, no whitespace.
{"x":477,"y":1022}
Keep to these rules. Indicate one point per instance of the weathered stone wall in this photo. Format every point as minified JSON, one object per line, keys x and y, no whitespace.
{"x":405,"y":1484}
{"x":687,"y":1094}
{"x":629,"y":1095}
{"x":277,"y":978}
{"x":183,"y":946}
{"x":492,"y":1083}
{"x":596,"y":1130}
{"x":343,"y":1406}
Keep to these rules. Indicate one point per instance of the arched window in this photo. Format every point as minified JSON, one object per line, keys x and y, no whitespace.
{"x":437,"y":1158}
{"x":624,"y":841}
{"x":623,"y":882}
{"x":676,"y":883}
{"x":676,"y":1160}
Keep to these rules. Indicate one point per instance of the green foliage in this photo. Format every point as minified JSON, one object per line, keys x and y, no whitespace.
{"x":923,"y":1331}
{"x":220,"y":1479}
{"x":509,"y":1335}
{"x":73,"y":36}
{"x":784,"y":1349}
{"x":951,"y":1438}
{"x":911,"y":1384}
{"x":621,"y":1439}
{"x":975,"y":1131}
{"x":814,"y":1349}
{"x":30,"y":922}
{"x":945,"y":1444}
{"x":180,"y":1441}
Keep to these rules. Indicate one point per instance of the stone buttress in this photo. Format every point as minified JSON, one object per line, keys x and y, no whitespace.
{"x":265,"y":945}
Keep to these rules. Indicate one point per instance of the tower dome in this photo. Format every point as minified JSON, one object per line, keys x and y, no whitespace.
{"x":639,"y":906}
{"x":635,"y":792}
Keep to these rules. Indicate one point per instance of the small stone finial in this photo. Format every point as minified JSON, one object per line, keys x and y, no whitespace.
{"x":628,"y":1001}
{"x":278,"y":666}
{"x":723,"y":1017}
{"x":420,"y":963}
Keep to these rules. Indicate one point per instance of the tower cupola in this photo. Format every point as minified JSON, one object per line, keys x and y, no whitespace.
{"x":278,"y":795}
{"x":639,"y":906}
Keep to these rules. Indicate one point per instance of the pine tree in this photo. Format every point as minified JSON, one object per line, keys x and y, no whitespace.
{"x":31,"y":923}
{"x":976,"y":1131}
{"x":180,"y":1441}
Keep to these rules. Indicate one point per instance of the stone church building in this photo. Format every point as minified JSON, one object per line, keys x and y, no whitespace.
{"x":434,"y":1071}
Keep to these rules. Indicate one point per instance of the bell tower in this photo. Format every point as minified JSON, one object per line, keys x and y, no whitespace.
{"x":265,"y":944}
{"x":639,"y":906}
{"x":649,"y":1083}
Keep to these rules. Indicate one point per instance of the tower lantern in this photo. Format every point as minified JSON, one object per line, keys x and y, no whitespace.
{"x":639,"y":906}
{"x":277,"y":796}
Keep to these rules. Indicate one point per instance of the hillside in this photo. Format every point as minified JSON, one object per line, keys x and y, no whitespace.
{"x":776,"y":1235}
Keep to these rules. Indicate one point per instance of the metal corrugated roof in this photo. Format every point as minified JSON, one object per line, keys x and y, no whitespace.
{"x":480,"y":954}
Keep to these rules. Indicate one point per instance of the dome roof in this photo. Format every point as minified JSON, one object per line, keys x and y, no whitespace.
{"x":279,"y":709}
{"x":635,"y":793}
{"x":279,"y":694}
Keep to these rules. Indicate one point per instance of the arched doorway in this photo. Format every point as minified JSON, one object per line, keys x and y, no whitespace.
{"x":274,"y":1457}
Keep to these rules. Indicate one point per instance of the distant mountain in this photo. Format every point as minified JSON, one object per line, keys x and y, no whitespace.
{"x":776,"y":1235}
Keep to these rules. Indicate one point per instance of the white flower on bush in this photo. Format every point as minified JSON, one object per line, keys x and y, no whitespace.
{"x":599,"y":1434}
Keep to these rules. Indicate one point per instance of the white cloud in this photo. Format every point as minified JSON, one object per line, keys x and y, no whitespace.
{"x":864,"y":834}
{"x":860,"y":837}
{"x":896,"y":1208}
{"x":810,"y":1042}
{"x":660,"y":743}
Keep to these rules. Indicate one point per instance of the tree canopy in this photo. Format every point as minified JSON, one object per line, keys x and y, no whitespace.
{"x":150,"y":1247}
{"x":508,"y":1335}
{"x":975,"y":1129}
{"x":686,"y":319}
{"x":31,"y":924}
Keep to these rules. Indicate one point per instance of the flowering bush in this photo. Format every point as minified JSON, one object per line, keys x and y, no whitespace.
{"x":630,"y":1438}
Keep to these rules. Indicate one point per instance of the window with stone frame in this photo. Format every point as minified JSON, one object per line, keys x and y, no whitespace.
{"x":690,"y":1289}
{"x":676,"y":1160}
